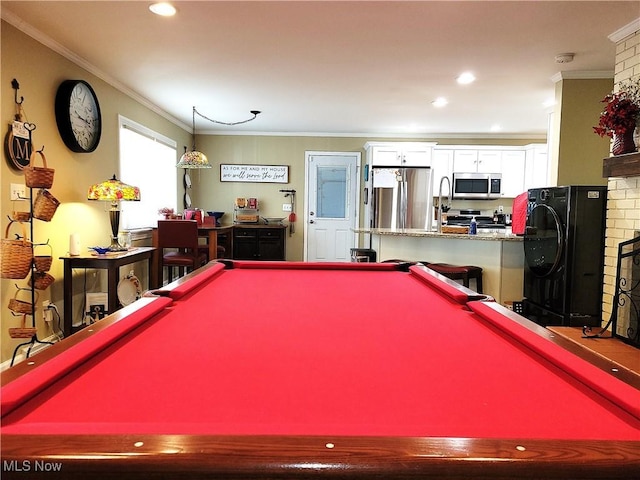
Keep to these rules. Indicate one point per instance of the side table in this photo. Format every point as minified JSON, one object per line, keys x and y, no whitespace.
{"x":111,"y":262}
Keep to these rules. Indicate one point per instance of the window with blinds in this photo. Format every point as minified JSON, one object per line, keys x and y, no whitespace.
{"x":148,"y":161}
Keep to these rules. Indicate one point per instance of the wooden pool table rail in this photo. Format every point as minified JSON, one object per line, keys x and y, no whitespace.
{"x":285,"y":457}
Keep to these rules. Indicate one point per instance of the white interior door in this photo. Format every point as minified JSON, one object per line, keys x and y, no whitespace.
{"x":331,"y":205}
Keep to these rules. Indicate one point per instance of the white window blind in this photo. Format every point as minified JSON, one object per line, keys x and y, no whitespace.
{"x":148,"y":161}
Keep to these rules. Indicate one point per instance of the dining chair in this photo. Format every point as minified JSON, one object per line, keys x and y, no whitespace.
{"x":178,"y":245}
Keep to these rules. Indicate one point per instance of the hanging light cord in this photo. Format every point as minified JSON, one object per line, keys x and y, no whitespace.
{"x":253,"y":112}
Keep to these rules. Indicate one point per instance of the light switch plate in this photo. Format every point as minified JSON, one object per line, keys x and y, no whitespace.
{"x":18,"y":191}
{"x":286,"y":207}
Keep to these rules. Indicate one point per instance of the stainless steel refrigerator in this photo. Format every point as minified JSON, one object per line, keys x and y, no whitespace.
{"x":402,"y":197}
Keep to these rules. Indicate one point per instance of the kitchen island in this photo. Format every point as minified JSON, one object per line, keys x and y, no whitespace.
{"x":501,"y":255}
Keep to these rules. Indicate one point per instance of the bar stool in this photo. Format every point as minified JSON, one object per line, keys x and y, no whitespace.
{"x":181,"y":237}
{"x":363,"y":255}
{"x":458,"y":272}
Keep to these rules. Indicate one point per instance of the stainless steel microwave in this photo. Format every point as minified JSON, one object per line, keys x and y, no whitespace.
{"x":479,"y":186}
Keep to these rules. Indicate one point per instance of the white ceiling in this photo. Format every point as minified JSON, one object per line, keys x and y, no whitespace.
{"x":331,"y":67}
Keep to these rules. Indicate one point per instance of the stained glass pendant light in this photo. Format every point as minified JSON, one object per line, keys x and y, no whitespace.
{"x":193,"y":158}
{"x":196,"y":159}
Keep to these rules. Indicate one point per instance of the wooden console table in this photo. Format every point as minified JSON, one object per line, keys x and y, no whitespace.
{"x":111,"y":262}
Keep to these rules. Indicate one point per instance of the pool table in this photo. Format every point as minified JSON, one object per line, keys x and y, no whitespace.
{"x":269,"y":370}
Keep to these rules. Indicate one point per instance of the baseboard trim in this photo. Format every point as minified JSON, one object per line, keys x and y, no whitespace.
{"x":22,"y":353}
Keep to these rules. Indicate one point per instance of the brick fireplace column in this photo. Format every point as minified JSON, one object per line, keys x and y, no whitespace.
{"x":623,"y":173}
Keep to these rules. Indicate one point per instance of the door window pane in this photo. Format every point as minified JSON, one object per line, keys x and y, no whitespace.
{"x":331,"y":201}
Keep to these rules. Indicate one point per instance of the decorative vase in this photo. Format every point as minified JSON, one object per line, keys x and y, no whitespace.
{"x":623,"y":143}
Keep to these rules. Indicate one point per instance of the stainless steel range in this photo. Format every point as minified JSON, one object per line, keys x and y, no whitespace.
{"x":495,"y":223}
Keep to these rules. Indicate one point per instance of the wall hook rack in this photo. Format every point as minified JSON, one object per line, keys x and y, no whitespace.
{"x":16,"y":86}
{"x":292,"y":216}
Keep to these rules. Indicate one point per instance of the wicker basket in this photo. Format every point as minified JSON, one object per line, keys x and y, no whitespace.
{"x":45,"y":205}
{"x":18,"y":216}
{"x":15,"y":255}
{"x":20,"y":306}
{"x":21,"y":216}
{"x":38,"y":177}
{"x":41,"y":280}
{"x":43,"y":263}
{"x":23,"y":331}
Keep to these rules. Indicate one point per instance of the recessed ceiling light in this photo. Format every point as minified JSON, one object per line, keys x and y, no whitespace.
{"x":440,"y":102}
{"x":496,"y":128}
{"x":163,"y":9}
{"x":466,"y":78}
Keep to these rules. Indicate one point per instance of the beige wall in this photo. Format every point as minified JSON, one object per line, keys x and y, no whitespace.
{"x":39,"y":72}
{"x":211,"y":194}
{"x":577,"y":151}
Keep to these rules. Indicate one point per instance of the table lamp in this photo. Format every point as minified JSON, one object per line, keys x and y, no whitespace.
{"x":113,"y":190}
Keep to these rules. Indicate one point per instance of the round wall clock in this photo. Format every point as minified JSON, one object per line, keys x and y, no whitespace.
{"x":78,"y":116}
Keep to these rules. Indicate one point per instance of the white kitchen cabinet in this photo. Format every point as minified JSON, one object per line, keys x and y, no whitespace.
{"x":489,"y":161}
{"x":513,"y":170}
{"x":399,"y":154}
{"x":387,"y":155}
{"x":465,"y":160}
{"x":442,"y":166}
{"x":509,"y":161}
{"x":536,"y":166}
{"x":475,"y":160}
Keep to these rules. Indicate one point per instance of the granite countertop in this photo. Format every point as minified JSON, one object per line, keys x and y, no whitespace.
{"x":411,"y":232}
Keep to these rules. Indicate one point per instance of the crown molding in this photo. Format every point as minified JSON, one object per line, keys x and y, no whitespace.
{"x":50,"y":43}
{"x":582,"y":75}
{"x":377,"y":135}
{"x":625,"y":31}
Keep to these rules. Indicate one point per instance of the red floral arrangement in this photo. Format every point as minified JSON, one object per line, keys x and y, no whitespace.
{"x":619,"y":115}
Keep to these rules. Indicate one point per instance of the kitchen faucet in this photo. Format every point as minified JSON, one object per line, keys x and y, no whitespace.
{"x":443,"y":208}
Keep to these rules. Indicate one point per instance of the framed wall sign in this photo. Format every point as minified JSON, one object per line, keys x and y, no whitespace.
{"x":254,"y":173}
{"x":18,"y":145}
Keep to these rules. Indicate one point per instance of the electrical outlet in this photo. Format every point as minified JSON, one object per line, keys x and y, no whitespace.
{"x":18,"y":191}
{"x":47,"y":314}
{"x":286,"y":207}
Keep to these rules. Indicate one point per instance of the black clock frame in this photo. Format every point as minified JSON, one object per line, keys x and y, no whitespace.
{"x":63,"y":120}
